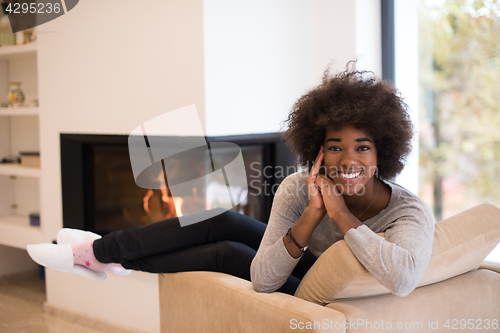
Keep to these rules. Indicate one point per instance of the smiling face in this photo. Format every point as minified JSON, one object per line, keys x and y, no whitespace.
{"x":350,"y":159}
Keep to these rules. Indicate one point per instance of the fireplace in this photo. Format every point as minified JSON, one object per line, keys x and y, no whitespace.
{"x":100,"y":193}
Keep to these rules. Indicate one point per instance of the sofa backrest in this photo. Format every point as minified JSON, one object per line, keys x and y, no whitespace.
{"x":462,"y":242}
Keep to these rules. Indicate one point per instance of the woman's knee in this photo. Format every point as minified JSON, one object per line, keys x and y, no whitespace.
{"x":234,"y":253}
{"x":231,"y":248}
{"x":218,"y":211}
{"x":234,"y":258}
{"x":224,"y":221}
{"x":235,"y":227}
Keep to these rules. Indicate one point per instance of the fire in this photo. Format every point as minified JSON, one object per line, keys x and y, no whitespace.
{"x":171,"y":207}
{"x":145,"y":201}
{"x":178,"y":204}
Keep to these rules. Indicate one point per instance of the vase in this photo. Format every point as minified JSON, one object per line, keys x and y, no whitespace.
{"x":16,"y":95}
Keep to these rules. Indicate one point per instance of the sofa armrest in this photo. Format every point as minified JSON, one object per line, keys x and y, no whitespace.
{"x":217,"y":302}
{"x":492,"y":266}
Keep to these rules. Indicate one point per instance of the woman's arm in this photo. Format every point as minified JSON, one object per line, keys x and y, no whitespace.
{"x":273,"y":262}
{"x":399,"y":260}
{"x":302,"y":231}
{"x":312,"y":215}
{"x":278,"y":254}
{"x":272,"y":265}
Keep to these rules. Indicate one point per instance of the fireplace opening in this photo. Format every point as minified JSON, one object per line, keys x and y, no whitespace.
{"x":100,"y":193}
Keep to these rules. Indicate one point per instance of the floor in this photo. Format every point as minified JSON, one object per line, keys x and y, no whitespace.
{"x":21,"y":307}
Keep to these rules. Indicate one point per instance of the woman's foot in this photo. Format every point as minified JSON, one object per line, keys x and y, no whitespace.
{"x":60,"y":258}
{"x":75,"y":237}
{"x":83,"y":255}
{"x":74,"y":254}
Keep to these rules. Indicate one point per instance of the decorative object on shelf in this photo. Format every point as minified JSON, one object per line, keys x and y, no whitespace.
{"x":35,"y":219}
{"x":24,"y":36}
{"x":11,"y":159}
{"x":27,"y":35}
{"x":16,"y":95}
{"x":7,"y":37}
{"x":33,"y":34}
{"x":30,"y":158}
{"x":19,"y":38}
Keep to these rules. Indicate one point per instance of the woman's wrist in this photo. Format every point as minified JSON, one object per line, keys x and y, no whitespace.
{"x":345,"y":221}
{"x":302,"y":230}
{"x":315,"y":214}
{"x":336,"y":214}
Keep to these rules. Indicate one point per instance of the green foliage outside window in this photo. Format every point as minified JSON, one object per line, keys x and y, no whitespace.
{"x":459,"y":60}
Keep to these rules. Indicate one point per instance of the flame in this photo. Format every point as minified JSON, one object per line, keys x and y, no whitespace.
{"x":172,"y":206}
{"x":177,"y":201}
{"x":145,"y":201}
{"x":178,"y":204}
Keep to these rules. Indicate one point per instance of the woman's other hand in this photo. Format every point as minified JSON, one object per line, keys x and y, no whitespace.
{"x":333,"y":199}
{"x":312,"y":216}
{"x":315,"y":198}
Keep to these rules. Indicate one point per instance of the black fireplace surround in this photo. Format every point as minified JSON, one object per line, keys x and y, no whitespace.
{"x":100,"y":195}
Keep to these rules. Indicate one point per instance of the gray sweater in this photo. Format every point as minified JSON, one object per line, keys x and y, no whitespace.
{"x":397,"y":261}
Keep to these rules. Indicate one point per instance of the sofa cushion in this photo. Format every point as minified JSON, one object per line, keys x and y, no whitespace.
{"x":461,"y":243}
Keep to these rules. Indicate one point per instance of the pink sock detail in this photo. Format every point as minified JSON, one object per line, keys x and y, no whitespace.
{"x":83,"y":255}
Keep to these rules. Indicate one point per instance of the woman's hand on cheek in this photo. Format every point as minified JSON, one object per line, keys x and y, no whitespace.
{"x":332,"y":197}
{"x":315,"y":197}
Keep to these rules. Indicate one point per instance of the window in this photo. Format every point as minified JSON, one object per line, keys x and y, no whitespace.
{"x":459,"y":104}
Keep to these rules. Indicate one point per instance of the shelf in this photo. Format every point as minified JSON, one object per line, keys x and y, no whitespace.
{"x":11,"y":51}
{"x":19,"y":63}
{"x":16,"y":231}
{"x":20,"y":111}
{"x":18,"y":170}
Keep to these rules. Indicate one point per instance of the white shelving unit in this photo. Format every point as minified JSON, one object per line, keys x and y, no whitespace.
{"x":19,"y":131}
{"x":20,"y":111}
{"x":14,"y":51}
{"x":16,"y":231}
{"x":19,"y":171}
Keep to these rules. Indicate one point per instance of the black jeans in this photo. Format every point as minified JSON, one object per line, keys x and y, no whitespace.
{"x":225,"y":243}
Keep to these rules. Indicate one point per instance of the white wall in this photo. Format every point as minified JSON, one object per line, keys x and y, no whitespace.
{"x":106,"y":67}
{"x":261,"y":56}
{"x":368,"y":36}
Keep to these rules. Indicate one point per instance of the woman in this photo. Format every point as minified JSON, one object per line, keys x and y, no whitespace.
{"x":363,"y":133}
